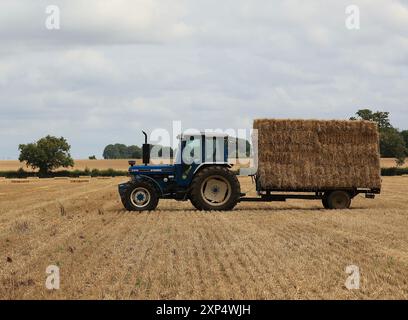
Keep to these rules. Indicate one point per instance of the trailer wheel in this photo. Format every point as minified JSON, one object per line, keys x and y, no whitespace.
{"x":339,"y":200}
{"x":141,"y":196}
{"x":324,"y":201}
{"x":215,"y":188}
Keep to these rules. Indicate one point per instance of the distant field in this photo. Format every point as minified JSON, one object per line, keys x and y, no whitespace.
{"x":288,"y":250}
{"x":8,"y":165}
{"x":389,"y":162}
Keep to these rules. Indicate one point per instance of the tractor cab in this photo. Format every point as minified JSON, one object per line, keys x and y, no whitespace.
{"x":198,"y":150}
{"x":194,"y":151}
{"x":197,"y":153}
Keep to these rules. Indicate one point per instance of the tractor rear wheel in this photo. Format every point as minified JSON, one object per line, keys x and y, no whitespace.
{"x":215,"y":188}
{"x":141,"y":196}
{"x":339,"y":200}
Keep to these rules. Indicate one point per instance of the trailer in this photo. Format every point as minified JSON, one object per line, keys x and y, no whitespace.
{"x":335,"y":198}
{"x":288,"y":167}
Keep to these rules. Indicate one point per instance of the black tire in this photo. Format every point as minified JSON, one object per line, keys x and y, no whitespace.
{"x":210,"y":175}
{"x":195,"y":203}
{"x":140,"y":189}
{"x":339,"y":200}
{"x":324,"y":201}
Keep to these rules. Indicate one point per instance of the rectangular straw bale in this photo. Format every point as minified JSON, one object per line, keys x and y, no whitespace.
{"x":79,"y":180}
{"x":20,"y":181}
{"x":317,"y":154}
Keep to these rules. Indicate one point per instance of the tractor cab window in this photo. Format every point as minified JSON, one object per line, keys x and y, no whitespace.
{"x":214,"y":149}
{"x":192,"y":150}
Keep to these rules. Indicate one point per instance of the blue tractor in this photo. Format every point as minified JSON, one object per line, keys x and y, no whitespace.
{"x":201,"y":174}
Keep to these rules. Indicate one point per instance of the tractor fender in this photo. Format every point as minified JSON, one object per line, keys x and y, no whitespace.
{"x":204,"y":165}
{"x":150,"y":179}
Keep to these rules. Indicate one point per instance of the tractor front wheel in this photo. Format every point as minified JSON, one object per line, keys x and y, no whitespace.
{"x":215,"y":188}
{"x":141,"y":196}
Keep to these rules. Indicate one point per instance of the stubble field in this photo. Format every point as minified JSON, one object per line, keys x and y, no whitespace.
{"x":122,"y":164}
{"x":290,"y":250}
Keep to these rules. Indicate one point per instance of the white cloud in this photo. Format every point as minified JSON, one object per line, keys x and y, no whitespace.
{"x":126,"y":21}
{"x":116,"y":67}
{"x":94,"y":22}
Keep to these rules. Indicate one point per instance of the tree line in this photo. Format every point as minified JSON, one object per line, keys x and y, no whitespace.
{"x":121,"y":151}
{"x":393,"y":142}
{"x":50,"y":153}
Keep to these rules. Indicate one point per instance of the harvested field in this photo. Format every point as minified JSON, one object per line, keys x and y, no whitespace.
{"x":20,"y":181}
{"x":287,"y":250}
{"x":390,"y":162}
{"x":6,"y":165}
{"x":79,"y":180}
{"x":318,"y":154}
{"x":9,"y":165}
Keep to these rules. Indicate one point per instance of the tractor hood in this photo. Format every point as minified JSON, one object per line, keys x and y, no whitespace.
{"x":161,"y":168}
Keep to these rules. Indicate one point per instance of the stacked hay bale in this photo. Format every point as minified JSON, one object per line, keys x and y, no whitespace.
{"x":317,"y":154}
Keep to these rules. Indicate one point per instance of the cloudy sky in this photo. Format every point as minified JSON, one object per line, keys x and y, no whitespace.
{"x":118,"y":66}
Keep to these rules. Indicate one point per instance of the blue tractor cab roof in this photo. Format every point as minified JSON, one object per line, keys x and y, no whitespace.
{"x":208,"y":134}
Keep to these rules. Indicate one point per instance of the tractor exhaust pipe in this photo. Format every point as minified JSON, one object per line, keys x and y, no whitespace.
{"x":146,"y":150}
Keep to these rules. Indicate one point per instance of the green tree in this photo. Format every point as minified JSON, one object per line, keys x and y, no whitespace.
{"x":115,"y":151}
{"x":92,"y":157}
{"x":110,"y":152}
{"x":46,"y":154}
{"x":121,"y":151}
{"x":380,"y":117}
{"x":134,"y":152}
{"x":392,"y":144}
{"x":404,"y":135}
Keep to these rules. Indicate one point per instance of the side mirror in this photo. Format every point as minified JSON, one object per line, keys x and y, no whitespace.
{"x":132,"y":163}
